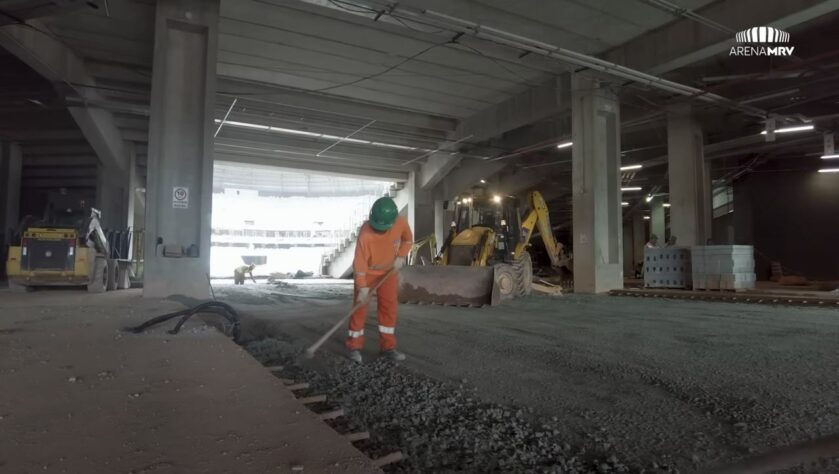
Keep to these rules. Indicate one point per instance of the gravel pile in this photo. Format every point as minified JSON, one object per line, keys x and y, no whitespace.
{"x":438,"y":427}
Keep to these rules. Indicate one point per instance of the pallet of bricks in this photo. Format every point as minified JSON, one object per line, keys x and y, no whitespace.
{"x":668,"y":267}
{"x":723,"y":267}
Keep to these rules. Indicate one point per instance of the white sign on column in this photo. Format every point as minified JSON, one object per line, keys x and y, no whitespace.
{"x":180,"y":197}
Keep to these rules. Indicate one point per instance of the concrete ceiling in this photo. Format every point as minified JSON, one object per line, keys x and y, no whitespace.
{"x":272,"y":181}
{"x":332,"y":85}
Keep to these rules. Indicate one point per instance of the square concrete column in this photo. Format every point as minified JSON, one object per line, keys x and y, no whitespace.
{"x":132,"y":183}
{"x":180,"y":161}
{"x":657,"y":224}
{"x":690,"y":186}
{"x":442,"y":223}
{"x":628,"y":261}
{"x":598,"y":259}
{"x":11,"y":165}
{"x":639,"y":239}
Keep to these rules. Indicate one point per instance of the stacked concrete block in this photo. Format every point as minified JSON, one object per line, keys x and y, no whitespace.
{"x":723,"y":267}
{"x":668,"y":267}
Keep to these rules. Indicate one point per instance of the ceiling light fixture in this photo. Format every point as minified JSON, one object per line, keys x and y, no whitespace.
{"x":649,"y":197}
{"x":631,"y":188}
{"x":624,"y":204}
{"x":646,"y":218}
{"x":829,"y":170}
{"x":666,"y":204}
{"x":803,"y":128}
{"x":631,"y":167}
{"x":829,"y":157}
{"x":565,"y":145}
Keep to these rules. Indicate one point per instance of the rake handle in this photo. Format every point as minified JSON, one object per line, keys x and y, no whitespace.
{"x":310,"y":352}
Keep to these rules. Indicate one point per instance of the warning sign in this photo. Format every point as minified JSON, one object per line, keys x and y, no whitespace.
{"x":180,"y":197}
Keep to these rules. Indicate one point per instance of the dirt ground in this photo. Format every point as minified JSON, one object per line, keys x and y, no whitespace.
{"x":78,"y":394}
{"x":624,"y":384}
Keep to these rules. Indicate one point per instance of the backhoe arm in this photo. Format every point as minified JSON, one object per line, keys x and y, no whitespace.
{"x":538,"y":216}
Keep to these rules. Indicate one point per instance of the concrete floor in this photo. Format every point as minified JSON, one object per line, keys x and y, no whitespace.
{"x":80,"y":395}
{"x":660,"y":383}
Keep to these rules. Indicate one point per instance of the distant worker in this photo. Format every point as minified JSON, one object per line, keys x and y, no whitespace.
{"x":240,"y":272}
{"x":653,"y":243}
{"x":671,"y":242}
{"x":383,"y":243}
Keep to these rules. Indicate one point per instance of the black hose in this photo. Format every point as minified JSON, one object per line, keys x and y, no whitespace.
{"x":213,"y":307}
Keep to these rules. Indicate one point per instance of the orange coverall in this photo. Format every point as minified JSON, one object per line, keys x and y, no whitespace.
{"x":375,"y":253}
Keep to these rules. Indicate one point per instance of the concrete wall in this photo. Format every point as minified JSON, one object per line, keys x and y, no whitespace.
{"x":792,"y":217}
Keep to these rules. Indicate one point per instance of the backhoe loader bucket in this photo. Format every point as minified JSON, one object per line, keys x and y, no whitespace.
{"x":449,"y":285}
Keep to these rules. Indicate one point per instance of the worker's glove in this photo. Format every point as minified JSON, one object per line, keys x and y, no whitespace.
{"x":363,"y":293}
{"x":399,"y":263}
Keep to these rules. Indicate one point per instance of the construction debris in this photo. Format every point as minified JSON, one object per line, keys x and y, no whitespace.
{"x":545,"y":288}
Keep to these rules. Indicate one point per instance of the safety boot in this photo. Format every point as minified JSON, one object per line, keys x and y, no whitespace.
{"x":393,"y":355}
{"x":355,"y":356}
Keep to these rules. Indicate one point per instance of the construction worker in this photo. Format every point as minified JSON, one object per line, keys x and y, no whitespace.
{"x":383,"y":243}
{"x":240,"y":272}
{"x":653,"y":243}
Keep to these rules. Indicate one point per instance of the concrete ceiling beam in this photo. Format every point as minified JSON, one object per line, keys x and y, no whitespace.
{"x":311,"y":148}
{"x":436,"y":168}
{"x":60,"y":65}
{"x":24,"y":136}
{"x":535,"y":104}
{"x":134,"y":135}
{"x":57,"y":150}
{"x":532,"y":105}
{"x":52,"y":183}
{"x":60,"y":161}
{"x":466,"y":175}
{"x":283,"y":162}
{"x":31,"y":10}
{"x":333,"y":105}
{"x":684,"y":42}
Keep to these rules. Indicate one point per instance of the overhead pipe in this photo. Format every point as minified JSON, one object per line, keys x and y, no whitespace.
{"x":538,"y":47}
{"x":522,"y":43}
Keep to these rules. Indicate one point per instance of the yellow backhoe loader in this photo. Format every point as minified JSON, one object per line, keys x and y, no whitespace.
{"x":68,"y":247}
{"x":484,"y":260}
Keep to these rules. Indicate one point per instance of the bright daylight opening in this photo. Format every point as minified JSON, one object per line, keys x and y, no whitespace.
{"x":285,"y":223}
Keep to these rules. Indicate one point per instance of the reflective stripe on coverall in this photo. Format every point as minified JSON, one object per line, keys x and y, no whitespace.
{"x":374,"y":256}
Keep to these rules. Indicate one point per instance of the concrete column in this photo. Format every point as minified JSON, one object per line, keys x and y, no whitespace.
{"x":657,"y":225}
{"x":442,"y":223}
{"x":629,"y":260}
{"x":180,"y":161}
{"x":11,"y":164}
{"x":131,"y":185}
{"x":406,"y":200}
{"x":598,"y":253}
{"x":639,"y":239}
{"x":690,"y":186}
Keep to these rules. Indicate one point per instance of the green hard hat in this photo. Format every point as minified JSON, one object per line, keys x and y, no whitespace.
{"x":383,"y":214}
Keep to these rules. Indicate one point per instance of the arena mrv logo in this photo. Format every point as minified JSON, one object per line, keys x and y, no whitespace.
{"x":762,"y":41}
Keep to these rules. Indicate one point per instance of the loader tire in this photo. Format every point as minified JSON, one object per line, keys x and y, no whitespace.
{"x":505,"y":281}
{"x":99,"y":282}
{"x":524,"y":275}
